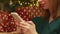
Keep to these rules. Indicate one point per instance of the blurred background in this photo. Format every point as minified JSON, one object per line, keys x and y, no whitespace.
{"x":27,"y":9}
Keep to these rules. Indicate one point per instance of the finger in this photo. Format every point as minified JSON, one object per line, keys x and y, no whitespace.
{"x":21,"y":23}
{"x":30,"y":22}
{"x":24,"y":27}
{"x":25,"y":31}
{"x":17,"y":17}
{"x":25,"y":23}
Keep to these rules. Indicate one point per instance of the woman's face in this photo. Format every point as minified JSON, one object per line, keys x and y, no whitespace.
{"x":44,"y":4}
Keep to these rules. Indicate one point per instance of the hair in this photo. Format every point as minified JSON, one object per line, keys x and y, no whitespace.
{"x":54,"y":7}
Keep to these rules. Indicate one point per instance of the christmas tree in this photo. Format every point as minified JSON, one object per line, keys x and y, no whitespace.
{"x":11,"y":4}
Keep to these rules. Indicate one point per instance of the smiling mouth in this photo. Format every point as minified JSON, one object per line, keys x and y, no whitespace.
{"x":42,"y":5}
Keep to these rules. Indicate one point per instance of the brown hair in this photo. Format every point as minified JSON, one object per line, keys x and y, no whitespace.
{"x":54,"y":7}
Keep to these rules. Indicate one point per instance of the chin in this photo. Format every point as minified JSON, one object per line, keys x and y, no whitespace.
{"x":44,"y":8}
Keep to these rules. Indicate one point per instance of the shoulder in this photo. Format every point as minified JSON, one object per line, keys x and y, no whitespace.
{"x":57,"y":19}
{"x":36,"y":19}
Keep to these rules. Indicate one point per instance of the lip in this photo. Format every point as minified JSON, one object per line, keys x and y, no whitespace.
{"x":42,"y":5}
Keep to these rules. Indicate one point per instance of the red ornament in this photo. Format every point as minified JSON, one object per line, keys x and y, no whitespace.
{"x":8,"y":24}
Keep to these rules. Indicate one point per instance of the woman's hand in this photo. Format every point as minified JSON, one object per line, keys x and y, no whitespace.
{"x":27,"y":27}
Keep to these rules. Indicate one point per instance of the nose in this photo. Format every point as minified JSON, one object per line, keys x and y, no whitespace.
{"x":41,"y":1}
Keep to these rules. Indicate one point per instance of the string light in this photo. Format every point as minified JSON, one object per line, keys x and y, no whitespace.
{"x":25,"y":2}
{"x":20,"y":3}
{"x":31,"y":5}
{"x":28,"y":3}
{"x":34,"y":4}
{"x":10,"y":3}
{"x":37,"y":4}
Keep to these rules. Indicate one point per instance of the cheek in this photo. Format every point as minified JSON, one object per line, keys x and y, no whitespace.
{"x":47,"y":2}
{"x":46,"y":6}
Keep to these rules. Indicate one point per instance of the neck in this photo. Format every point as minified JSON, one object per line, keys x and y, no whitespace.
{"x":53,"y":14}
{"x":51,"y":17}
{"x":58,"y":13}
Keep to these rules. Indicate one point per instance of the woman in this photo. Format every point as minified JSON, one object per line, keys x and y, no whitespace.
{"x":48,"y":23}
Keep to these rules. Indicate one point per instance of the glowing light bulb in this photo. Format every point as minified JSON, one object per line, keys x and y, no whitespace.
{"x":20,"y":3}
